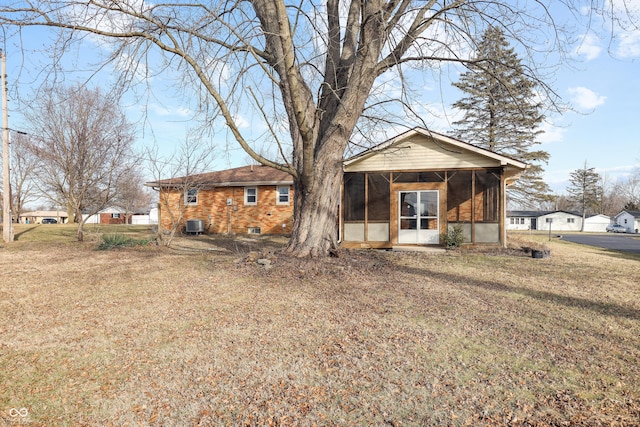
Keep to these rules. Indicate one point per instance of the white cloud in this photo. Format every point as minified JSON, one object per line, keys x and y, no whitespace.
{"x":241,"y":121}
{"x":552,"y":133}
{"x":626,"y":30}
{"x":589,"y":48}
{"x":629,"y":46}
{"x":163,"y":111}
{"x":585,"y":99}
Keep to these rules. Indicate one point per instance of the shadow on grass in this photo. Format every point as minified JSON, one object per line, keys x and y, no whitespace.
{"x":18,"y":235}
{"x":632,"y":256}
{"x":607,"y":309}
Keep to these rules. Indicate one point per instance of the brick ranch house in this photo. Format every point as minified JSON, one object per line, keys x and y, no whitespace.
{"x":408,"y":190}
{"x":243,"y":200}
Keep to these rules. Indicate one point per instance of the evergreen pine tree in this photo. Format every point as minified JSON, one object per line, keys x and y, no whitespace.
{"x":585,"y":190}
{"x":501,"y":113}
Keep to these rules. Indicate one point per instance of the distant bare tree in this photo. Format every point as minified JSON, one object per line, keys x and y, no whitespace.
{"x":23,"y":166}
{"x":630,"y":190}
{"x":564,"y":203}
{"x":84,"y":148}
{"x":131,"y":195}
{"x":612,"y":199}
{"x":560,"y":202}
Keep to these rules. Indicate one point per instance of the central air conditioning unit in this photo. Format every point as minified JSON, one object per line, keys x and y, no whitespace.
{"x":195,"y":226}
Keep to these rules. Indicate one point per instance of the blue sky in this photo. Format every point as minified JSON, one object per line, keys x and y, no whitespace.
{"x":601,"y":84}
{"x":603,"y":88}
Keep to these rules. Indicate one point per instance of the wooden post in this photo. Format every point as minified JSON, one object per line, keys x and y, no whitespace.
{"x":503,"y":208}
{"x":7,"y":226}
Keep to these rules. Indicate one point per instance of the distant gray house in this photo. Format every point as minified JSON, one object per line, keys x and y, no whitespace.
{"x":555,"y":221}
{"x":629,"y":219}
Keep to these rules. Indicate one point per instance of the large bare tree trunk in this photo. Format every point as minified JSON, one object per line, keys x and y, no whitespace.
{"x":80,"y":232}
{"x":315,"y":224}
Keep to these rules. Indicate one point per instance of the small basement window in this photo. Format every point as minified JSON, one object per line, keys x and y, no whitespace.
{"x":254,"y":230}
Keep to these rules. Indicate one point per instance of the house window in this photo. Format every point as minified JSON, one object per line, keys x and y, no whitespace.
{"x":191,"y":196}
{"x":115,"y":215}
{"x":251,"y":195}
{"x":282,"y":194}
{"x":548,"y":220}
{"x":571,"y":220}
{"x":254,"y":230}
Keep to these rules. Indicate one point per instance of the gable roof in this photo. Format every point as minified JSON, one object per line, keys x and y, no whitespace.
{"x":525,"y":214}
{"x":635,"y":214}
{"x":237,"y":177}
{"x":446,"y":145}
{"x":61,"y":214}
{"x":603,"y":216}
{"x":537,"y":214}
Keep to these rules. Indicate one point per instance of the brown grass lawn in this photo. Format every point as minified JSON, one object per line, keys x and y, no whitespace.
{"x":198,"y":335}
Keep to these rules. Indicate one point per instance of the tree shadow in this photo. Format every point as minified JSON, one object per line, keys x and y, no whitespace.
{"x":17,"y":236}
{"x":633,"y":255}
{"x":603,"y":308}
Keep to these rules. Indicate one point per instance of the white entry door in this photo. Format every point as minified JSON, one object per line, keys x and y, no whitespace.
{"x":418,"y":217}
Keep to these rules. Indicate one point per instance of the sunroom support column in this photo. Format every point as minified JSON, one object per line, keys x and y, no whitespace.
{"x":503,"y":210}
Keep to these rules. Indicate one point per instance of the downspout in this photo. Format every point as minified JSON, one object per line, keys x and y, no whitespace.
{"x":341,"y":209}
{"x":503,"y":209}
{"x":366,"y":207}
{"x":473,"y":207}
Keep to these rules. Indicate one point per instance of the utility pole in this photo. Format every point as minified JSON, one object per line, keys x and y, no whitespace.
{"x":7,"y":226}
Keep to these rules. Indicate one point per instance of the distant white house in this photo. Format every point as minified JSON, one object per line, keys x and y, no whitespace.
{"x":144,"y":219}
{"x":555,"y":221}
{"x":117,"y":215}
{"x":630,"y":220}
{"x":597,"y":223}
{"x":544,"y":220}
{"x":560,"y":221}
{"x":522,"y":220}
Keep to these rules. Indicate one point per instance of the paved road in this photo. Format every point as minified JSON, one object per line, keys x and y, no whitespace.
{"x":618,"y":242}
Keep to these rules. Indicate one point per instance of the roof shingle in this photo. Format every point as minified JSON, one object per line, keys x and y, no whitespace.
{"x":242,"y":176}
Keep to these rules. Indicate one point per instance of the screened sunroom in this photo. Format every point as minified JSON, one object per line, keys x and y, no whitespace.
{"x":412,"y":189}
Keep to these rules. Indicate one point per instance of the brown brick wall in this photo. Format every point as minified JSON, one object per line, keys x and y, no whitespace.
{"x":106,"y":218}
{"x":236,"y":219}
{"x":462,"y":212}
